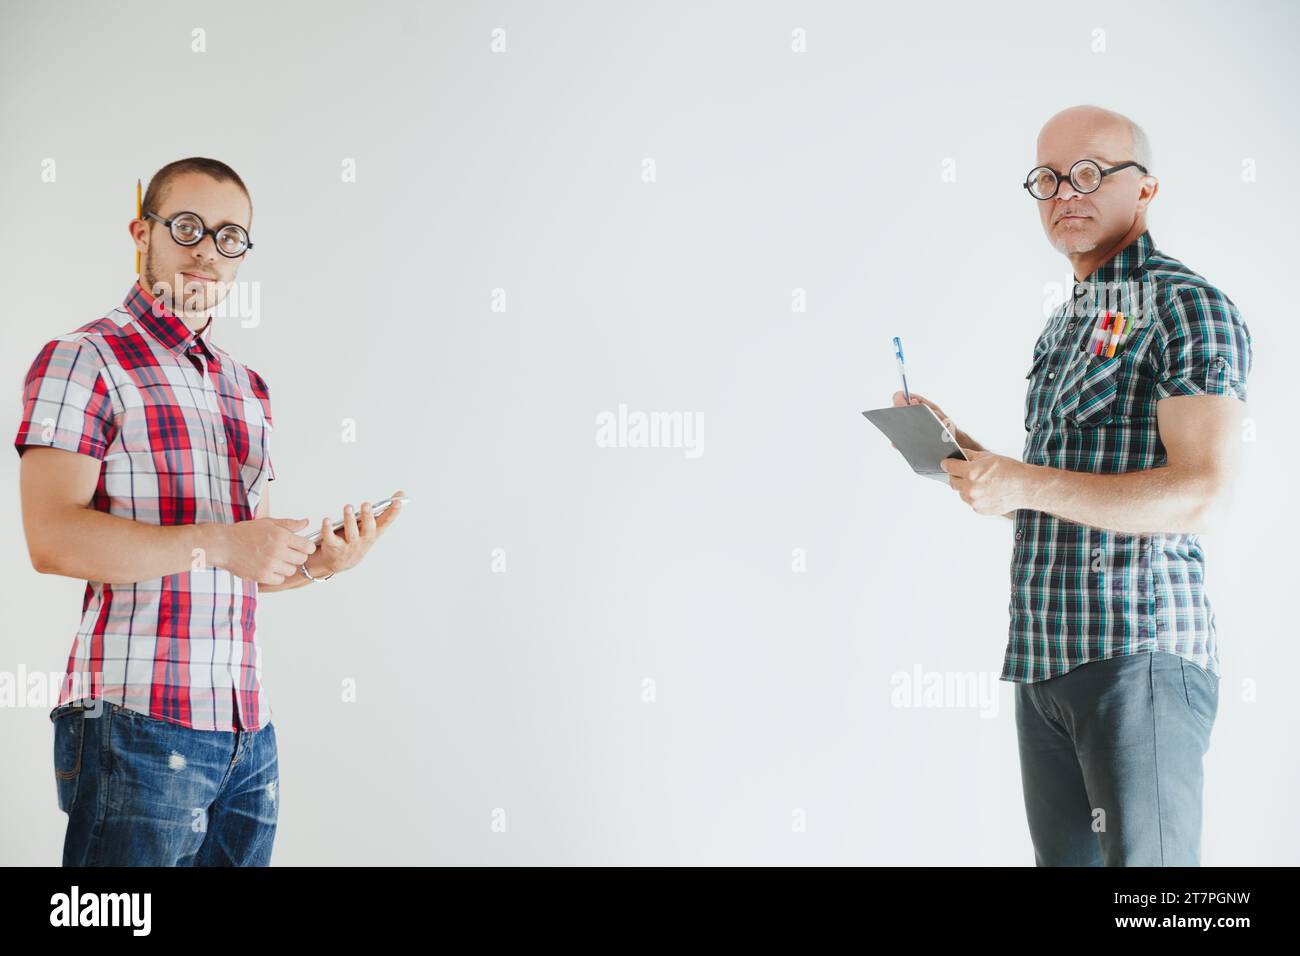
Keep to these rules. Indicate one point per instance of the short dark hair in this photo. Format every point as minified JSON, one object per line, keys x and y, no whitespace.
{"x":161,"y":182}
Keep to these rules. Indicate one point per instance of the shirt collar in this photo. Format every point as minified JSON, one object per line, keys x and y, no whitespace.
{"x":1124,"y":263}
{"x":163,"y":325}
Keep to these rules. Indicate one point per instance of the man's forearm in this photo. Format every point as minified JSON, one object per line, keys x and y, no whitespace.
{"x":93,"y":546}
{"x":1150,"y":501}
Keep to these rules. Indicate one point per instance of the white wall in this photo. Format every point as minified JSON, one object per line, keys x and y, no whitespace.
{"x":775,"y":170}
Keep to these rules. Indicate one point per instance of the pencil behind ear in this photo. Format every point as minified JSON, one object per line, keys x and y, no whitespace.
{"x":139,"y":214}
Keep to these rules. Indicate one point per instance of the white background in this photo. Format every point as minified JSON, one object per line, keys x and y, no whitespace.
{"x":776,"y":171}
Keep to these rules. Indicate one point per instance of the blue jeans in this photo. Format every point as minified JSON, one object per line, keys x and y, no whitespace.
{"x":1110,"y":761}
{"x":140,"y":791}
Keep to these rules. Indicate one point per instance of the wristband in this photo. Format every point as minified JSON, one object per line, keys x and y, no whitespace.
{"x":303,"y":568}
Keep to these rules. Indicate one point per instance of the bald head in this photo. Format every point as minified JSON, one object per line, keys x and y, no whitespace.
{"x":1103,"y":121}
{"x":1079,"y":224}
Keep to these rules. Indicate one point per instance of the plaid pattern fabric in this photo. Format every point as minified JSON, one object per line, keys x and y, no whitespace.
{"x":1078,"y":593}
{"x":183,"y":433}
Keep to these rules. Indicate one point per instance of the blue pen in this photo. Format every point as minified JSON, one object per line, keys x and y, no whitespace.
{"x":898,"y":354}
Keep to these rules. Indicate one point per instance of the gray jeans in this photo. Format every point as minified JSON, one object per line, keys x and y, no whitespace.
{"x":1110,"y":761}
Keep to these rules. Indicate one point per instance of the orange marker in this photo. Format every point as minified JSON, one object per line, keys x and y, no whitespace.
{"x":1115,"y":337}
{"x":139,"y":214}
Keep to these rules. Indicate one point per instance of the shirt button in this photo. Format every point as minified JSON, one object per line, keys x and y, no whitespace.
{"x":1035,"y":426}
{"x":1019,"y":535}
{"x":1069,"y":327}
{"x":1051,"y":375}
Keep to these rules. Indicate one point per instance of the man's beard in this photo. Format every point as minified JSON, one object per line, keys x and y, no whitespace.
{"x":1074,"y":245}
{"x":177,"y":301}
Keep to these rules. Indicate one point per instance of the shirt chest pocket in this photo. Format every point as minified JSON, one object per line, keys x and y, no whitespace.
{"x":1035,"y":393}
{"x":1088,"y":397}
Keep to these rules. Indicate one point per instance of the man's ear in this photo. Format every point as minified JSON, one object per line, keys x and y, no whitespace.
{"x":1147,"y":192}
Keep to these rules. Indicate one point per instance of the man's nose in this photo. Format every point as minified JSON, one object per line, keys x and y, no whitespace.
{"x":1066,"y":191}
{"x":209,"y":241}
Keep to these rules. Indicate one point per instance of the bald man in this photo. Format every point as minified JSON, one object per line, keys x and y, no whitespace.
{"x":1135,"y":406}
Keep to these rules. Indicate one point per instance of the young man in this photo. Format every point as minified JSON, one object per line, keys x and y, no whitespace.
{"x":145,"y":457}
{"x":1130,"y":453}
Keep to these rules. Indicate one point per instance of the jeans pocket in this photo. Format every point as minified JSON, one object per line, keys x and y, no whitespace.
{"x":126,"y":712}
{"x":1201,"y":691}
{"x":69,"y":740}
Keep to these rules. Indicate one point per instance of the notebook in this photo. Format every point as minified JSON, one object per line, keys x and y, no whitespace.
{"x":919,"y":435}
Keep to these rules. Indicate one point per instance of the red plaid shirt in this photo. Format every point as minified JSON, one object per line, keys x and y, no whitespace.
{"x":183,"y":433}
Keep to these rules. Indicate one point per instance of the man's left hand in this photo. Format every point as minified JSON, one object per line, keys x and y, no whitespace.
{"x":991,"y":484}
{"x":339,"y":551}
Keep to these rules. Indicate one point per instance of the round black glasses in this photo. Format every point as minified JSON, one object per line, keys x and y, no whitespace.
{"x":188,"y":229}
{"x":1085,"y":176}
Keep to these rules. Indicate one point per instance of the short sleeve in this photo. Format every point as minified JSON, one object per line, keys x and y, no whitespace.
{"x":66,"y":403}
{"x":263,"y":393}
{"x":1202,"y":347}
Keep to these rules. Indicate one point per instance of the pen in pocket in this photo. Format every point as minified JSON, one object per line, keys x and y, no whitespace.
{"x":1099,"y":332}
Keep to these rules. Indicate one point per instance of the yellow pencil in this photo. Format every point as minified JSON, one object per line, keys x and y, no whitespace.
{"x":139,"y":214}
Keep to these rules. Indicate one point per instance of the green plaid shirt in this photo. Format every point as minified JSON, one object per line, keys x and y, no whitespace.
{"x":1078,"y":593}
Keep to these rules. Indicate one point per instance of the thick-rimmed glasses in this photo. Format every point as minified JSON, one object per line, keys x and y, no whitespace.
{"x":188,"y":229}
{"x":1085,"y":176}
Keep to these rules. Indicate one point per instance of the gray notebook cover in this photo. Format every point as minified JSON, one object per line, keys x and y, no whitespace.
{"x":919,"y":435}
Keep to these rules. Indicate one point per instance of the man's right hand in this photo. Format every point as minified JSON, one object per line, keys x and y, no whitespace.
{"x":963,"y":440}
{"x":264,"y":550}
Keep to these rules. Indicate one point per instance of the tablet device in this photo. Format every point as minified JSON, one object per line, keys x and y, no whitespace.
{"x":919,"y":435}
